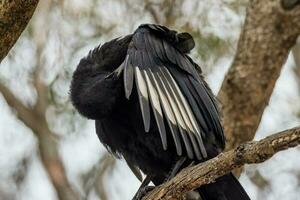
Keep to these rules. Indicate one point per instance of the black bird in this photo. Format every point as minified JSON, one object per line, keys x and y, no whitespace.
{"x":152,"y":106}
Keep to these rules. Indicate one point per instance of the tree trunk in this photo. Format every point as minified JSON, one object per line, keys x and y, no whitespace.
{"x":14,"y":16}
{"x":268,"y":34}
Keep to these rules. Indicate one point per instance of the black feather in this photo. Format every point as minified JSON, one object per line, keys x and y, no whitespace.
{"x":169,"y":113}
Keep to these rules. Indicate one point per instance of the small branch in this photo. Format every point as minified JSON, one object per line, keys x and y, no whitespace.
{"x":23,"y":113}
{"x":149,"y":7}
{"x":14,"y":16}
{"x":205,"y":173}
{"x":42,"y":92}
{"x":106,"y":167}
{"x":41,"y":88}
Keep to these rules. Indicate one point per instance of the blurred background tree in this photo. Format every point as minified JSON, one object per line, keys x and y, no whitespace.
{"x":47,"y":151}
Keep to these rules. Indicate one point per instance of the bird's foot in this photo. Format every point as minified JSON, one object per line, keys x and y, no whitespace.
{"x":175,"y":169}
{"x":142,"y":192}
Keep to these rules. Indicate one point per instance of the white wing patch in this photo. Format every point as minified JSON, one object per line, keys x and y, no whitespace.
{"x":157,"y":87}
{"x":143,"y":97}
{"x":155,"y":102}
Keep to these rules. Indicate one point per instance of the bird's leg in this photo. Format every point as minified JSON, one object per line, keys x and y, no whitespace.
{"x":191,"y":195}
{"x":176,"y":168}
{"x":191,"y":164}
{"x":143,"y":189}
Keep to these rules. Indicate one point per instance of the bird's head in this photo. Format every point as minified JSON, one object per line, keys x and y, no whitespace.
{"x":104,"y":58}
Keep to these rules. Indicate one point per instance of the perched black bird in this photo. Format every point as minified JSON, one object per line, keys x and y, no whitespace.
{"x":152,"y":106}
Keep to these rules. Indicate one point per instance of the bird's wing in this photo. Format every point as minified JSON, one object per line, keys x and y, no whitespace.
{"x":169,"y":85}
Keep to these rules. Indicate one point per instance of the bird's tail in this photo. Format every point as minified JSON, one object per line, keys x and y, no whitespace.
{"x":225,"y":188}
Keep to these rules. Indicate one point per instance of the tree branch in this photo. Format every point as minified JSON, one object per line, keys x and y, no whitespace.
{"x":14,"y":16}
{"x":48,"y":146}
{"x":23,"y":113}
{"x":269,"y":33}
{"x":205,"y":173}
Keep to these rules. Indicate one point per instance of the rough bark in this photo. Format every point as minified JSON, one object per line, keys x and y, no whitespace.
{"x":270,"y":30}
{"x":14,"y":16}
{"x":205,"y":173}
